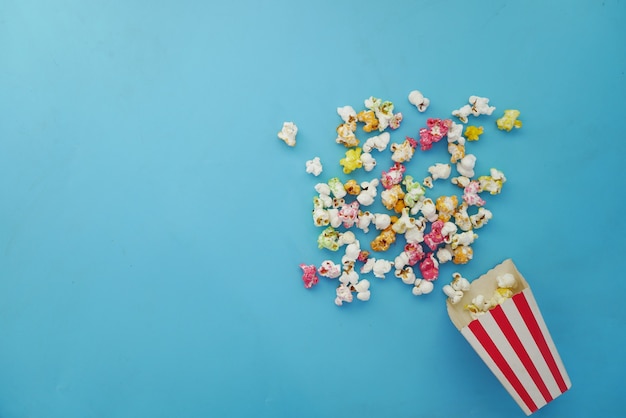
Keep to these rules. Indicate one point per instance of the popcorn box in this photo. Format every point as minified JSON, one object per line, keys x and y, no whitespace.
{"x":513,"y":340}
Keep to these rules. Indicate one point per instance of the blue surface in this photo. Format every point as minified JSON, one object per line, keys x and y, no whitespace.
{"x":152,"y":224}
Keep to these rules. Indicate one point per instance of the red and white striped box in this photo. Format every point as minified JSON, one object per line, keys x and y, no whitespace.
{"x":514,"y":341}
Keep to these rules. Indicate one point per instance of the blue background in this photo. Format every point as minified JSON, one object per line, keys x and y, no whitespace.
{"x":152,"y":224}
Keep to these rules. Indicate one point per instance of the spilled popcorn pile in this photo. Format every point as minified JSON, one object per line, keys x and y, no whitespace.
{"x":435,"y":231}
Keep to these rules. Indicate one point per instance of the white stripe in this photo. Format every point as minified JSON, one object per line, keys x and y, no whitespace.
{"x":544,"y":329}
{"x":531,"y":348}
{"x":510,"y":356}
{"x":471,"y":338}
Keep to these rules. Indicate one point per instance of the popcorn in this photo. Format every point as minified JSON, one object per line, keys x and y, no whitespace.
{"x":456,"y":151}
{"x":368,"y":266}
{"x":368,"y":192}
{"x":347,"y":237}
{"x":463,"y":113}
{"x":368,"y":162}
{"x":448,"y":230}
{"x":333,"y":217}
{"x":345,"y":131}
{"x":444,"y":254}
{"x":470,"y":194}
{"x":347,"y":114}
{"x":309,"y":276}
{"x":288,"y":133}
{"x":436,"y":129}
{"x":414,"y":191}
{"x":369,"y":118}
{"x":381,"y":267}
{"x":364,"y":220}
{"x":462,"y":254}
{"x":429,"y":210}
{"x":378,"y":142}
{"x":393,"y":176}
{"x":473,"y":133}
{"x":314,"y":166}
{"x":321,"y":216}
{"x":446,"y":205}
{"x":343,"y":295}
{"x":352,"y":187}
{"x":440,"y":171}
{"x":480,"y":106}
{"x":429,"y":268}
{"x":329,"y":269}
{"x":455,"y":134}
{"x":456,"y":289}
{"x":384,"y":113}
{"x":324,"y":194}
{"x":404,"y":151}
{"x":422,"y":287}
{"x":393,"y":198}
{"x":506,"y":281}
{"x":481,"y":218}
{"x":382,"y":221}
{"x":329,"y":239}
{"x":406,"y":274}
{"x":465,"y":167}
{"x":414,"y":253}
{"x":384,"y":240}
{"x":362,"y":289}
{"x":480,"y":304}
{"x":434,"y":238}
{"x":509,"y":120}
{"x":492,"y":183}
{"x":464,"y":238}
{"x":462,"y":218}
{"x":403,"y":223}
{"x":352,"y":161}
{"x":336,"y":187}
{"x":349,"y":276}
{"x":353,"y":250}
{"x":415,"y":235}
{"x":346,"y":136}
{"x":348,"y":214}
{"x":417,"y":99}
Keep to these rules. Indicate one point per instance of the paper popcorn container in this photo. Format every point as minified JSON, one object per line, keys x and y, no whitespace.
{"x":513,"y":340}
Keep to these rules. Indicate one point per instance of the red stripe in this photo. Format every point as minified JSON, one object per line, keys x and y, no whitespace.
{"x":535,"y":331}
{"x":513,"y":339}
{"x":485,"y":340}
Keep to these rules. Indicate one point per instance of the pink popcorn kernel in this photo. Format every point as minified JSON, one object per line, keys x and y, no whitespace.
{"x":414,"y":252}
{"x":393,"y":176}
{"x":434,"y":238}
{"x":429,"y":268}
{"x":436,"y":129}
{"x":309,"y":276}
{"x":470,"y":194}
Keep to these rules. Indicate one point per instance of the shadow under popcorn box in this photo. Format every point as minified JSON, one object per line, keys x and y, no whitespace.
{"x":513,"y":340}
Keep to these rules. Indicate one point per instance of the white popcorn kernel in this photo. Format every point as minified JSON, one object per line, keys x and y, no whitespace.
{"x":506,"y":281}
{"x":314,"y":166}
{"x":417,"y":99}
{"x":362,"y":289}
{"x":378,"y":142}
{"x":381,"y":267}
{"x":368,"y":162}
{"x":440,"y":171}
{"x":288,"y":133}
{"x":422,"y":287}
{"x":465,"y":167}
{"x":347,"y":113}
